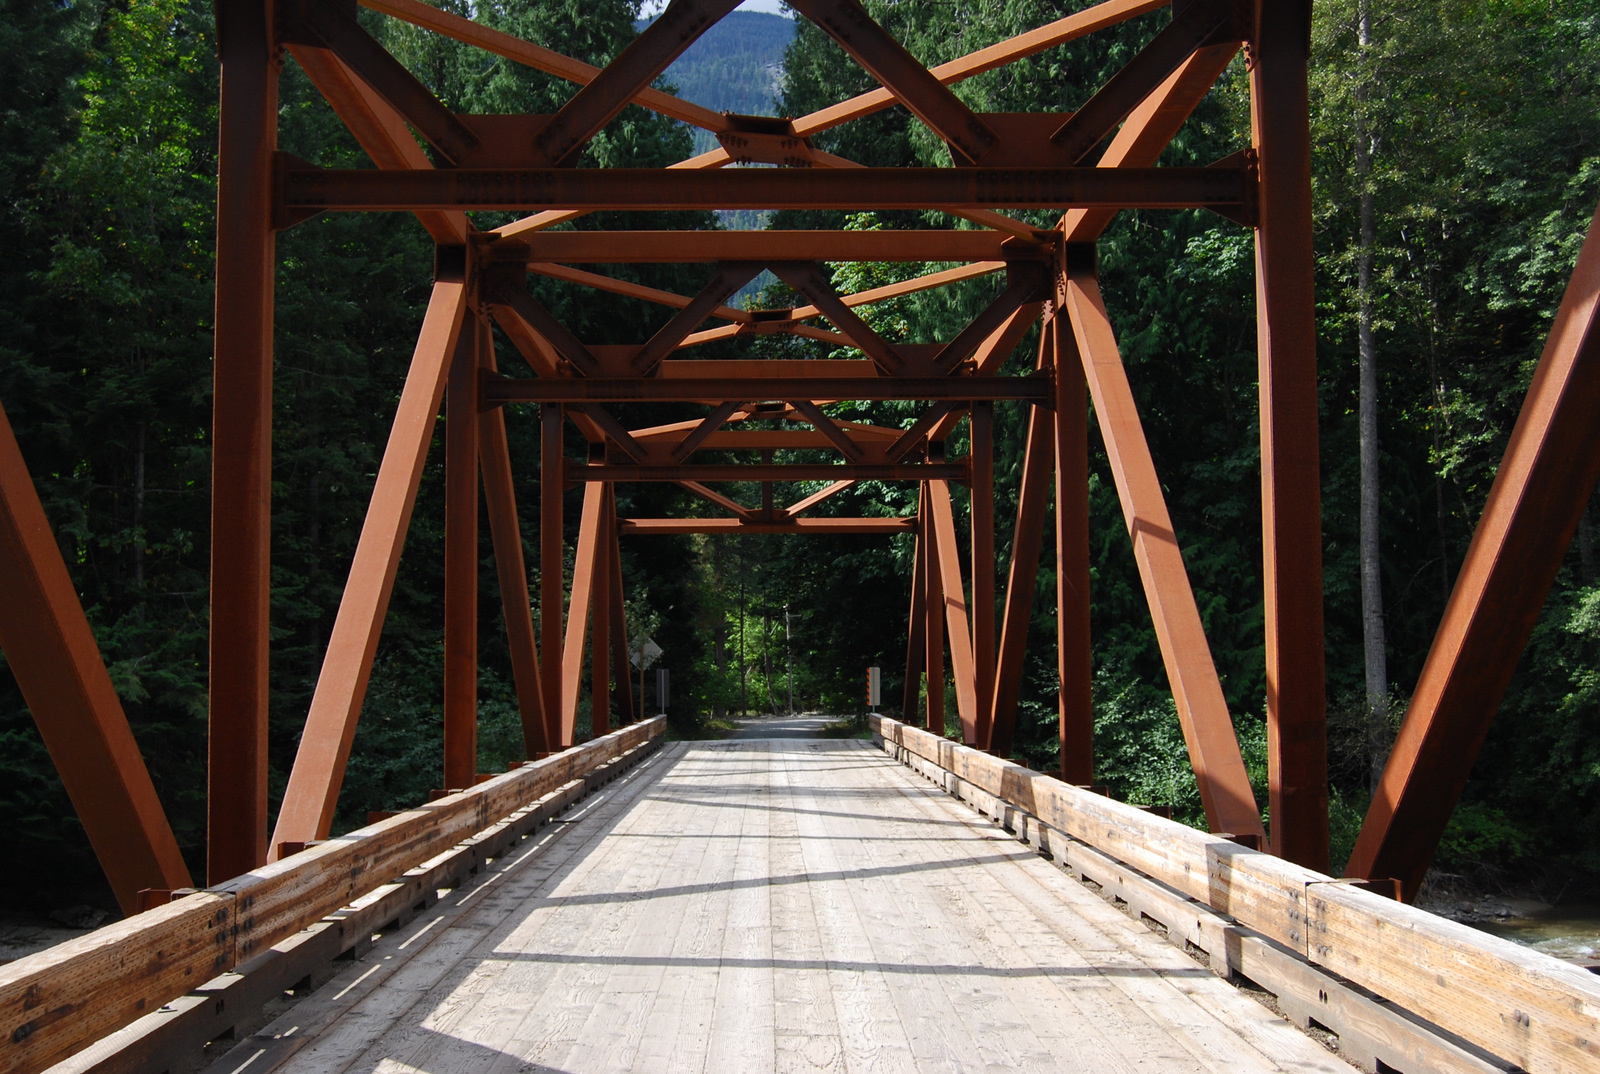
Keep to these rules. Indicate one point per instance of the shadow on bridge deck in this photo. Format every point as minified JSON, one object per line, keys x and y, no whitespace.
{"x":775,"y":904}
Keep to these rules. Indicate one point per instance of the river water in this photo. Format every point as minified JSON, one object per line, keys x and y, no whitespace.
{"x":1568,"y":931}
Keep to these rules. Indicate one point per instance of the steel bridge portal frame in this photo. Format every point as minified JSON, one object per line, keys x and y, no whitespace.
{"x":1088,"y":164}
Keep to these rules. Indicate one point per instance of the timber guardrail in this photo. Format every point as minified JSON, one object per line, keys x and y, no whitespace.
{"x":1519,"y":1005}
{"x":56,"y":1002}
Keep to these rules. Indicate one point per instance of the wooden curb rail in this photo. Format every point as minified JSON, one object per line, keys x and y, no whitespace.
{"x":1522,"y":1006}
{"x":56,"y":1002}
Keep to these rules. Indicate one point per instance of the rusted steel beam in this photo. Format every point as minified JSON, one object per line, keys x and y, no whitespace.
{"x":627,"y":288}
{"x":912,"y":286}
{"x":1199,"y":23}
{"x":780,"y":471}
{"x":619,"y":622}
{"x":500,"y":498}
{"x":1023,"y":291}
{"x":631,"y":72}
{"x":825,"y":425}
{"x":51,"y":650}
{"x":612,"y":431}
{"x":933,"y":610}
{"x":380,"y":130}
{"x":807,"y":278}
{"x":913,"y":438}
{"x":980,"y":426}
{"x":583,"y":579}
{"x":711,"y":496}
{"x":334,"y":27}
{"x":761,"y":370}
{"x":1074,"y":653}
{"x":848,"y":23}
{"x":537,"y":57}
{"x":684,"y":247}
{"x":514,"y":306}
{"x":800,"y":507}
{"x":461,"y":563}
{"x":551,"y":566}
{"x":763,"y":328}
{"x":636,"y":526}
{"x":319,"y":764}
{"x":954,"y":597}
{"x":1203,"y":711}
{"x":1079,"y":24}
{"x":241,"y":443}
{"x":1546,"y":477}
{"x":1291,"y":485}
{"x":916,"y":623}
{"x":303,"y":188}
{"x":696,"y":437}
{"x":1033,"y":502}
{"x":600,"y":629}
{"x":1150,"y":128}
{"x":1030,"y":389}
{"x":729,"y":277}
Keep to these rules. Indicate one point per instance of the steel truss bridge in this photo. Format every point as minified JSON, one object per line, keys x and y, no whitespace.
{"x":1403,"y":989}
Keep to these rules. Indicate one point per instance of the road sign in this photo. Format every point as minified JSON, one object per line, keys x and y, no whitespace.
{"x":645,"y":655}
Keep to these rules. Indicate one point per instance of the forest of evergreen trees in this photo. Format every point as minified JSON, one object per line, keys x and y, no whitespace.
{"x":1464,"y":133}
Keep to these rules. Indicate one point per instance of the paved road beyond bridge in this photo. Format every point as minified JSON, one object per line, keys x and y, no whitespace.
{"x":776,"y":905}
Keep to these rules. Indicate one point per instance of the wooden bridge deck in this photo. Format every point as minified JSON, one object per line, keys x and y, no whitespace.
{"x":775,"y":905}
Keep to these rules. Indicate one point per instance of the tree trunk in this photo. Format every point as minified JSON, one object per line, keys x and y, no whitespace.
{"x":1374,"y":641}
{"x":766,"y":656}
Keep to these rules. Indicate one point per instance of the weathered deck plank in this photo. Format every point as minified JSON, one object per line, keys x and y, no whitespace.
{"x":781,"y":905}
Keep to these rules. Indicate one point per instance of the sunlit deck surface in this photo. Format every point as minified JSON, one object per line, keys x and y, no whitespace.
{"x":775,"y":905}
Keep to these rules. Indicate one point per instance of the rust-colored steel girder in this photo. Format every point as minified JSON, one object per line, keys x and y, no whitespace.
{"x":1074,"y":653}
{"x":461,"y":563}
{"x":836,"y":526}
{"x":775,"y":471}
{"x":1291,"y":485}
{"x":1544,"y":481}
{"x":241,"y":443}
{"x":685,"y":247}
{"x":50,"y":649}
{"x":1031,"y":389}
{"x":304,"y":189}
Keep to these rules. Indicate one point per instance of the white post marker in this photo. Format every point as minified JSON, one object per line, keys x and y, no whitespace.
{"x":662,"y":693}
{"x":874,"y":689}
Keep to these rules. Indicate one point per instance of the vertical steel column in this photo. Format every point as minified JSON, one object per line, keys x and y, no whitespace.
{"x":600,"y":640}
{"x":619,"y":622}
{"x":52,"y":652}
{"x":552,"y":486}
{"x":916,"y":626}
{"x":241,"y":442}
{"x":933,"y":609}
{"x":1074,"y":655}
{"x":1291,"y":508}
{"x":981,"y":424}
{"x":1540,"y":490}
{"x":505,"y":529}
{"x":461,"y":564}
